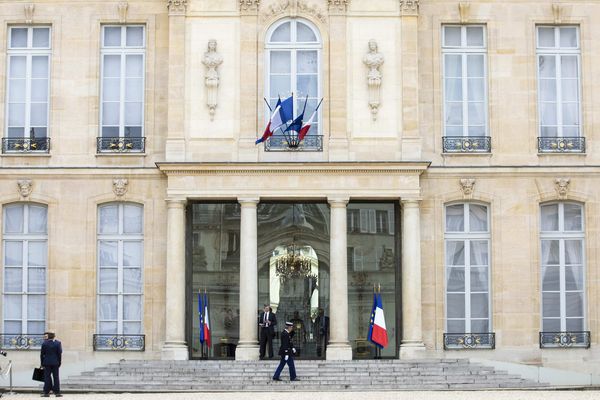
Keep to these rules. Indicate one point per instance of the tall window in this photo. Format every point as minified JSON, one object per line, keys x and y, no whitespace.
{"x":558,"y":56}
{"x":293,"y":66}
{"x":28,"y":81}
{"x":25,"y":249}
{"x":120,"y":264}
{"x":465,"y":89}
{"x":467,"y":240}
{"x":122,"y":109}
{"x":563,"y":267}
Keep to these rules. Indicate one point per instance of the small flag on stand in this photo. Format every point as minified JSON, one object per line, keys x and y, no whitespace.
{"x":206,"y":330}
{"x":377,"y":330}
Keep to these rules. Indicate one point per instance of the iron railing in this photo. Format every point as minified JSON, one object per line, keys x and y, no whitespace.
{"x":463,"y":341}
{"x":565,"y":340}
{"x":467,"y":144}
{"x":291,"y":143}
{"x":26,"y":145}
{"x":573,"y":144}
{"x":20,"y":341}
{"x":121,"y":144}
{"x":119,"y":342}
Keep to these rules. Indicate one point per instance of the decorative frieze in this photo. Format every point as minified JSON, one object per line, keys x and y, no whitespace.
{"x":249,"y":6}
{"x":373,"y":60}
{"x":338,"y":5}
{"x":561,"y":185}
{"x":293,"y":8}
{"x":29,"y":9}
{"x":177,"y":6}
{"x":24,"y":187}
{"x":467,"y":186}
{"x":122,"y":10}
{"x":463,"y":10}
{"x":120,"y":186}
{"x":211,"y":61}
{"x":409,"y":7}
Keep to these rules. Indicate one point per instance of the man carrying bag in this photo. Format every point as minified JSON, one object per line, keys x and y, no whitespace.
{"x":51,"y":359}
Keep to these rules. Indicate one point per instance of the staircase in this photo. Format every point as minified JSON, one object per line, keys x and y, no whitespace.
{"x":371,"y":375}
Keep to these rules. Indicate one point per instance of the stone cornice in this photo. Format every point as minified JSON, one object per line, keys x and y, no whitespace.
{"x":412,"y":168}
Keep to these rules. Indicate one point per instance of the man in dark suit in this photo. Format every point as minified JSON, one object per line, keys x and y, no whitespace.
{"x":51,"y":359}
{"x":321,"y":330}
{"x":286,"y":351}
{"x":267,"y":322}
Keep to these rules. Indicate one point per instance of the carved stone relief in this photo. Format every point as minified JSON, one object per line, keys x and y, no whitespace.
{"x":467,"y":186}
{"x":249,"y":5}
{"x":176,"y":6}
{"x":29,"y":9}
{"x":24,"y":187}
{"x":291,"y":8}
{"x":409,"y":7}
{"x":373,"y":60}
{"x":122,"y":9}
{"x":211,"y":61}
{"x":338,"y":5}
{"x":562,"y":187}
{"x":120,"y":186}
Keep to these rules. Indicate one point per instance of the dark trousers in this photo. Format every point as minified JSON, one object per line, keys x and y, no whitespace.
{"x":265,"y":339}
{"x":50,"y":376}
{"x":290,"y":363}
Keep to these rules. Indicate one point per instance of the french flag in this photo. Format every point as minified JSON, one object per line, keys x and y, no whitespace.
{"x":207,"y":322}
{"x":275,"y":122}
{"x":306,"y":127}
{"x":377,"y":330}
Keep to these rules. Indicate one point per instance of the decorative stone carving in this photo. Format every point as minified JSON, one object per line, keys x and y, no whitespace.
{"x":373,"y":60}
{"x":467,"y":186}
{"x":463,"y":9}
{"x":338,"y":5}
{"x":291,"y":8}
{"x":120,"y":186}
{"x":212,"y":60}
{"x":409,"y":7}
{"x":249,"y":5}
{"x":557,"y":11}
{"x":562,"y":187}
{"x":29,"y":9}
{"x":25,"y":187}
{"x":122,"y":9}
{"x":176,"y":6}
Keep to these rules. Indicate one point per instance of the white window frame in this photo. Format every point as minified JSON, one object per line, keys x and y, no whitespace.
{"x":464,"y":51}
{"x":293,"y":47}
{"x":466,"y":236}
{"x":28,"y":52}
{"x":562,"y":235}
{"x":123,"y":51}
{"x":120,"y":238}
{"x":557,"y":53}
{"x":25,"y":238}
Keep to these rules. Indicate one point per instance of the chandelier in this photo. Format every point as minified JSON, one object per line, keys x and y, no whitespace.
{"x":292,"y":264}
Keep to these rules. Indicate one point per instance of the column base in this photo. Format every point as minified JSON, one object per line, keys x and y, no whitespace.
{"x":339,"y":351}
{"x":411,"y":350}
{"x":174,"y":351}
{"x":246,"y":352}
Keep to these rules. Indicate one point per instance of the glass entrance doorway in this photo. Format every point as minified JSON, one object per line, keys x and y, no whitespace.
{"x":293,"y":275}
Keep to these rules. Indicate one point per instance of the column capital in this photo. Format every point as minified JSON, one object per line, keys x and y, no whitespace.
{"x":249,"y":201}
{"x":249,"y":7}
{"x":176,"y":7}
{"x":410,"y":203}
{"x":338,"y":201}
{"x":409,"y":8}
{"x":176,"y":202}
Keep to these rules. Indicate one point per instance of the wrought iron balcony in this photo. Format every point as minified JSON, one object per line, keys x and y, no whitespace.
{"x":121,"y":144}
{"x":119,"y":342}
{"x":563,"y":340}
{"x":463,"y":341}
{"x":467,"y":144}
{"x":26,"y":145}
{"x":291,"y":143}
{"x":19,"y":341}
{"x":565,"y":144}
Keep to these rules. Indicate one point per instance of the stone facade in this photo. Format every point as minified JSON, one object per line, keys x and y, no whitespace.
{"x":191,"y":154}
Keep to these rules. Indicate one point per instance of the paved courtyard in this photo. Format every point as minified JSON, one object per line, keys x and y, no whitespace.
{"x":474,"y":395}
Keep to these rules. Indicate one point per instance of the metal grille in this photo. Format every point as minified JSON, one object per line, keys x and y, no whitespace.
{"x":121,"y":144}
{"x":20,"y":341}
{"x":119,"y":342}
{"x":565,"y":339}
{"x":291,"y":143}
{"x":462,"y":341}
{"x":467,"y":144}
{"x":573,"y":144}
{"x":25,"y":145}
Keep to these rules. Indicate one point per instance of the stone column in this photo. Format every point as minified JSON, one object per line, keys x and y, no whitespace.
{"x":247,"y":348}
{"x":412,"y":336}
{"x":175,"y":347}
{"x":338,"y":347}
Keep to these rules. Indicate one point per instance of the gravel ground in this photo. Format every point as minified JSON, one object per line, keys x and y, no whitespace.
{"x":475,"y":395}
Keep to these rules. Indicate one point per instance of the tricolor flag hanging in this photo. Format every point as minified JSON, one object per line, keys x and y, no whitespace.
{"x":206,"y":329}
{"x":201,"y":317}
{"x":306,"y":127}
{"x":377,"y":331}
{"x":281,"y":115}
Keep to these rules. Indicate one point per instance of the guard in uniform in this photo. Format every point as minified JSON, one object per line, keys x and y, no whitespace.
{"x":286,"y":351}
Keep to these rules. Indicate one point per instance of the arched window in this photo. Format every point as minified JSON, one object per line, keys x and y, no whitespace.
{"x":120,"y":268}
{"x":467,"y":240}
{"x":25,"y":260}
{"x":293,"y":65}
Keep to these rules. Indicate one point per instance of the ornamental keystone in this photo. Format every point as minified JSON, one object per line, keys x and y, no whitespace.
{"x":467,"y":186}
{"x":25,"y":187}
{"x":120,"y":186}
{"x":176,"y":6}
{"x":562,"y":187}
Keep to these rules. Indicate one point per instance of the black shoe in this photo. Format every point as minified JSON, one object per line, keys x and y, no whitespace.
{"x":44,"y":395}
{"x":58,"y":395}
{"x":295,"y":379}
{"x":277,"y":379}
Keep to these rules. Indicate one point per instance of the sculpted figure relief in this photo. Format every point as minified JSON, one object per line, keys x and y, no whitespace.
{"x":212,"y":60}
{"x":373,"y":60}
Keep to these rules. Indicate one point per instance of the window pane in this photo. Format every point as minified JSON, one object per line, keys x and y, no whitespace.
{"x":548,"y":114}
{"x":546,"y":37}
{"x":133,"y":114}
{"x":41,"y":38}
{"x":551,"y":325}
{"x":35,"y":327}
{"x":453,"y":65}
{"x":475,"y":36}
{"x":12,"y":327}
{"x":574,"y":278}
{"x":476,"y":89}
{"x":110,"y":113}
{"x":13,"y":280}
{"x":18,"y":37}
{"x":551,"y":304}
{"x":575,"y":324}
{"x":13,"y":253}
{"x":307,"y":85}
{"x":135,"y":36}
{"x":109,"y":280}
{"x":456,"y":280}
{"x":479,"y":252}
{"x":132,"y":254}
{"x":36,"y":307}
{"x":16,"y":114}
{"x":108,"y":253}
{"x":455,"y":218}
{"x":570,"y":114}
{"x":18,"y":67}
{"x":547,"y":65}
{"x":455,"y":253}
{"x":12,"y":306}
{"x":570,"y":89}
{"x":476,"y":114}
{"x":550,"y":252}
{"x":475,"y":66}
{"x":39,"y":67}
{"x":107,"y":307}
{"x":480,"y":326}
{"x":569,"y":67}
{"x":454,"y":89}
{"x":37,"y":219}
{"x":112,"y":36}
{"x":479,"y":279}
{"x":452,"y":36}
{"x":551,"y":278}
{"x":574,"y":306}
{"x":132,"y":308}
{"x":38,"y":254}
{"x":478,"y":218}
{"x":36,"y":280}
{"x":454,"y":113}
{"x":112,"y":66}
{"x":550,"y":217}
{"x":548,"y":90}
{"x":107,"y":328}
{"x":39,"y":90}
{"x":134,"y":66}
{"x":111,"y":88}
{"x":568,"y":37}
{"x":456,"y":305}
{"x":574,"y":252}
{"x":13,"y":218}
{"x":282,"y":33}
{"x":307,"y":62}
{"x":132,"y":328}
{"x":280,"y":62}
{"x":456,"y":326}
{"x":479,"y":305}
{"x":110,"y":131}
{"x":16,"y":90}
{"x":109,"y":219}
{"x":132,"y":280}
{"x":132,"y":218}
{"x":39,"y":114}
{"x":304,"y":33}
{"x":134,"y":89}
